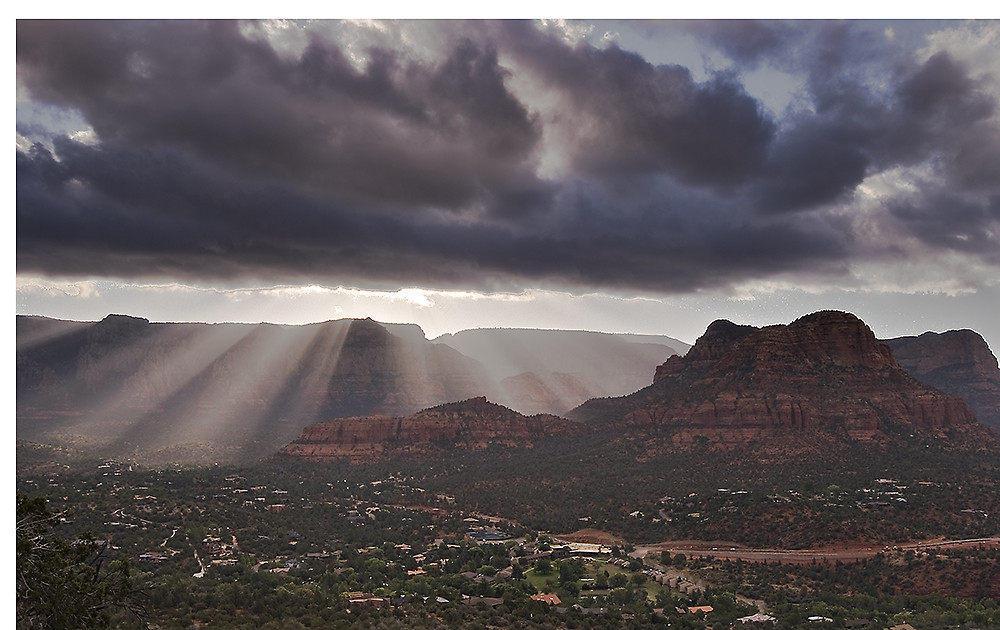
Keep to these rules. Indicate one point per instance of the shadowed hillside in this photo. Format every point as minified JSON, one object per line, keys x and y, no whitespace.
{"x":553,"y":371}
{"x":958,"y":362}
{"x":469,"y":425}
{"x":192,"y":392}
{"x":220,"y":389}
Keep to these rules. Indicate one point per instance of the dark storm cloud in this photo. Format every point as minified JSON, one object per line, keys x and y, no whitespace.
{"x":154,"y":212}
{"x":935,"y":111}
{"x":627,"y":115}
{"x":646,"y":235}
{"x":947,"y":220}
{"x":747,"y":41}
{"x":942,"y":88}
{"x":217,"y":156}
{"x":396,"y":131}
{"x":943,"y":110}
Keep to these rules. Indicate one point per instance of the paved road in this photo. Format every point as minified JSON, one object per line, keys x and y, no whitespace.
{"x":798,"y":556}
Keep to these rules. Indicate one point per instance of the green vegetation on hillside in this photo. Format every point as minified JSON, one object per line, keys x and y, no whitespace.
{"x":292,"y":544}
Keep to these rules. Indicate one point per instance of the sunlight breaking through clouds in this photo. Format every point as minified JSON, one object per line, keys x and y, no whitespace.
{"x":503,"y":173}
{"x":48,"y":287}
{"x":413,"y":296}
{"x":30,"y":285}
{"x":195,"y":383}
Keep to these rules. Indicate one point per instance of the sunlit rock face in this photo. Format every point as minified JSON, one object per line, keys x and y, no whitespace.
{"x":824,"y":371}
{"x":958,"y":362}
{"x":472,"y":425}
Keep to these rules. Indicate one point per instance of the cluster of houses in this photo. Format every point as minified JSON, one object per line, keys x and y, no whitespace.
{"x":671,"y":579}
{"x":676,"y":582}
{"x":881,"y":493}
{"x":553,"y":600}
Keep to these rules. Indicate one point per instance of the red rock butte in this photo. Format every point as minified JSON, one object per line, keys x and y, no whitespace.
{"x":823,"y":371}
{"x":470,"y":425}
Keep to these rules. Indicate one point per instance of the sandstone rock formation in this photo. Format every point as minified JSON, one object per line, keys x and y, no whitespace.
{"x":958,"y":362}
{"x":247,"y":389}
{"x":824,"y":371}
{"x":470,"y":425}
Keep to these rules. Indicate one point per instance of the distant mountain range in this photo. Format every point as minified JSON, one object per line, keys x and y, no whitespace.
{"x":213,"y":392}
{"x":823,"y":376}
{"x":553,"y":371}
{"x":223,"y":391}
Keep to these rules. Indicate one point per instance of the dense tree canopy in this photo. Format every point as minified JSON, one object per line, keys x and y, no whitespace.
{"x":61,"y":584}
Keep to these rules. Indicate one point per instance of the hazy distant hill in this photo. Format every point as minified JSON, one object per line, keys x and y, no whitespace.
{"x":189,"y":390}
{"x":221,"y":389}
{"x":553,"y":371}
{"x":958,"y":362}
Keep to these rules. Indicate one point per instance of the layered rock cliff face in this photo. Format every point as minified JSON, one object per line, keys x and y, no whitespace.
{"x":958,"y":362}
{"x":469,"y":425}
{"x":824,"y":371}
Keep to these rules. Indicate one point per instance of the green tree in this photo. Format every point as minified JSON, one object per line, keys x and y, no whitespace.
{"x":602,"y":580}
{"x":618,"y":580}
{"x":680,"y":560}
{"x":63,"y":585}
{"x":518,"y":572}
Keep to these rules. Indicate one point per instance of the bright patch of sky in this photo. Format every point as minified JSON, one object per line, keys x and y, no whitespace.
{"x":39,"y":122}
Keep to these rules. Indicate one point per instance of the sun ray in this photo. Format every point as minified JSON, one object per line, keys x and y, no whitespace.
{"x":227,"y":400}
{"x":174,"y":357}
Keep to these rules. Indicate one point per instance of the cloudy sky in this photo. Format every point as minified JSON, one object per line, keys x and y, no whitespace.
{"x":627,"y":176}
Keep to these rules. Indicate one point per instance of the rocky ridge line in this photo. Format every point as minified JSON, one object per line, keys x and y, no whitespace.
{"x":472,"y":424}
{"x":823,"y":372}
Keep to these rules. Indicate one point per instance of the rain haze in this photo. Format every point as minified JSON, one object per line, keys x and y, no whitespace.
{"x":645,"y":176}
